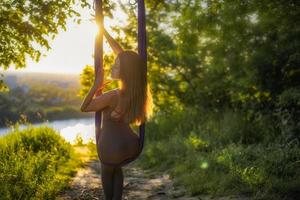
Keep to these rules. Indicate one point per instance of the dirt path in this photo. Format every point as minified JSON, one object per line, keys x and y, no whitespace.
{"x":139,"y":184}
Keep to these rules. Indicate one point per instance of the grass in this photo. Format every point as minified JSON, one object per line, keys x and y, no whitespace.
{"x":223,"y":153}
{"x":35,"y":163}
{"x":219,"y":154}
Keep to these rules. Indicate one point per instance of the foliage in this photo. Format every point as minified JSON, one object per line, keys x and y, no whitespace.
{"x":36,"y":163}
{"x":26,"y":25}
{"x":3,"y":86}
{"x":87,"y":76}
{"x":220,"y":155}
{"x":39,"y":103}
{"x":288,"y":114}
{"x":219,"y":53}
{"x":86,"y":80}
{"x":225,"y":80}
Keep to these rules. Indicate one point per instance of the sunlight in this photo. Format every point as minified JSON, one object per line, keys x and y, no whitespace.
{"x":73,"y":49}
{"x":92,"y":27}
{"x":204,"y":165}
{"x":85,"y":131}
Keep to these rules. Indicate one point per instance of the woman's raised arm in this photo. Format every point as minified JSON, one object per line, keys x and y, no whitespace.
{"x":113,"y":43}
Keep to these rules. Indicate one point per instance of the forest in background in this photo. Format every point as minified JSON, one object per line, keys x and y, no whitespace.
{"x":37,"y":97}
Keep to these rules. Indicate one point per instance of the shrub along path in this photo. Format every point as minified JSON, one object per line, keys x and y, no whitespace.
{"x":139,"y":184}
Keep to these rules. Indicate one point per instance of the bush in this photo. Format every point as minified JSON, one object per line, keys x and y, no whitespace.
{"x":223,"y":153}
{"x":288,"y":114}
{"x":35,"y":163}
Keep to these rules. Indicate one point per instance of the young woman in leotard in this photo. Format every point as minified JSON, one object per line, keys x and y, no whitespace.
{"x":131,"y":103}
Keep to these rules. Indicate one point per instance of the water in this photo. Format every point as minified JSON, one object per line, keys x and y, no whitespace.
{"x":69,"y":129}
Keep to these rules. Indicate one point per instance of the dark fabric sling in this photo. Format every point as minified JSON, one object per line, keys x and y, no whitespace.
{"x":98,"y":62}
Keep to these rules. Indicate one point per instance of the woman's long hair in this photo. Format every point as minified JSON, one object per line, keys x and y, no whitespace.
{"x":135,"y":95}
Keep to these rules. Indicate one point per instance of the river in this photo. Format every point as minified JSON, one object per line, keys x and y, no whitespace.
{"x":68,"y":128}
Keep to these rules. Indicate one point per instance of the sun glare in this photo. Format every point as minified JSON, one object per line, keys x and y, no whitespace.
{"x":73,"y":49}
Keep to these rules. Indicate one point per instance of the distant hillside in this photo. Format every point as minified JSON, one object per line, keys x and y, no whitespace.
{"x":40,"y":96}
{"x":23,"y":79}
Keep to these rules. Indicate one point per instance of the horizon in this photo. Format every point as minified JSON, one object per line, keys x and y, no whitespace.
{"x":19,"y":71}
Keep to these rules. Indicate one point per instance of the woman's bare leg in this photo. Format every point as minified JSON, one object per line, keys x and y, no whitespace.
{"x":118,"y":183}
{"x":107,"y":175}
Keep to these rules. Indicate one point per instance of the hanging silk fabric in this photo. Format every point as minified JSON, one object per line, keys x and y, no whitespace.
{"x":98,"y":62}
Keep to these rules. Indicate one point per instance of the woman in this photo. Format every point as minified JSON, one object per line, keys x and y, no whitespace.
{"x":131,"y":103}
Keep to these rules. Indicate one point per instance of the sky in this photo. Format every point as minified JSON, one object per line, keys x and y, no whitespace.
{"x":72,"y":50}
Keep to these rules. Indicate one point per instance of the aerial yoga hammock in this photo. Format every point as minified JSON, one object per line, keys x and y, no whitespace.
{"x":98,"y":62}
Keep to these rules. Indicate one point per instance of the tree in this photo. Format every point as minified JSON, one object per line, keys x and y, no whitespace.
{"x":26,"y":26}
{"x":219,"y":53}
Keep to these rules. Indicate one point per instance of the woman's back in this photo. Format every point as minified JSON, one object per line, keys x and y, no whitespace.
{"x":117,"y":140}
